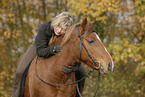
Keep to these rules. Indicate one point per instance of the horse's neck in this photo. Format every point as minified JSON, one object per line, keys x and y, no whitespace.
{"x":65,"y":58}
{"x":55,"y":63}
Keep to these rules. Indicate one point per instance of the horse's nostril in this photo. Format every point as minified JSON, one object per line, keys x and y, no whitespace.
{"x":110,"y":66}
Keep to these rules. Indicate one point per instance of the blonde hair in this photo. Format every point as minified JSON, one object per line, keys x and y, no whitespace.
{"x":68,"y":35}
{"x":65,"y":19}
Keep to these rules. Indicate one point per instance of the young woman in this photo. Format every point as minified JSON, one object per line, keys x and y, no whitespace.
{"x":58,"y":26}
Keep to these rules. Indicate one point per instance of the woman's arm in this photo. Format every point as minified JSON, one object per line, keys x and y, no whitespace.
{"x":42,"y":40}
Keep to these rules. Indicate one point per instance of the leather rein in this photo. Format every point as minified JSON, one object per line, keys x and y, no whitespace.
{"x":87,"y":75}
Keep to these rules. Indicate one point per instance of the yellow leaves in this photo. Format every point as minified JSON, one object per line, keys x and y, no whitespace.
{"x":129,"y":50}
{"x":93,"y":8}
{"x":15,"y":34}
{"x":142,"y":21}
{"x":137,"y":91}
{"x":103,"y":19}
{"x":7,"y":34}
{"x":24,"y":19}
{"x":140,"y":11}
{"x":0,"y":16}
{"x":11,"y":18}
{"x":1,"y":81}
{"x":5,"y":76}
{"x":10,"y":15}
{"x":96,"y":9}
{"x":3,"y":3}
{"x":123,"y":49}
{"x":143,"y":62}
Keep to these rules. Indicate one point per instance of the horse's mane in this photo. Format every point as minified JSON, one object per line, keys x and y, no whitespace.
{"x":68,"y":35}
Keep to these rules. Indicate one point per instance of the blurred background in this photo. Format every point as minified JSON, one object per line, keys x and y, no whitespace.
{"x":119,"y":23}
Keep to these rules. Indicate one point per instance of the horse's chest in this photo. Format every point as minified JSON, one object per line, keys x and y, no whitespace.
{"x":67,"y":91}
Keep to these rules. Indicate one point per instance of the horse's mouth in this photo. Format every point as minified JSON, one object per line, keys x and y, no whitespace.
{"x":103,"y":70}
{"x":106,"y":69}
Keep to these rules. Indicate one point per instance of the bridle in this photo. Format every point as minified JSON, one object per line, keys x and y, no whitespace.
{"x":87,"y":75}
{"x":82,"y":44}
{"x":94,"y":62}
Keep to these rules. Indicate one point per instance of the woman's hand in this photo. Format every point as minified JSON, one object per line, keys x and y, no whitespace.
{"x":57,"y":48}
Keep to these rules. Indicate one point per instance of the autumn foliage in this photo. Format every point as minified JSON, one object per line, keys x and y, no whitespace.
{"x":119,"y":23}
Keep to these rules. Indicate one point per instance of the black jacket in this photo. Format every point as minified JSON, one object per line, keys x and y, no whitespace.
{"x":42,"y":39}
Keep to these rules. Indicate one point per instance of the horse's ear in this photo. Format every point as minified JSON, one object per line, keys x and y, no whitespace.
{"x":84,"y":24}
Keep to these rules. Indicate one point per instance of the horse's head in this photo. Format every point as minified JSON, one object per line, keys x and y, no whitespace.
{"x":94,"y":46}
{"x":92,"y":43}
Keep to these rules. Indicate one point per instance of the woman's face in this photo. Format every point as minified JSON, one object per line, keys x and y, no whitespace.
{"x":59,"y":30}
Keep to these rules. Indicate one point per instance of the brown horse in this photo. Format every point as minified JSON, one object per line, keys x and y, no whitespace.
{"x":50,"y":69}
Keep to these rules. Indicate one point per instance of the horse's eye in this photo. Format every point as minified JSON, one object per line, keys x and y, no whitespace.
{"x":90,"y":41}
